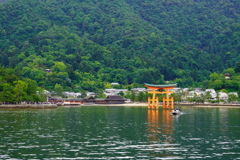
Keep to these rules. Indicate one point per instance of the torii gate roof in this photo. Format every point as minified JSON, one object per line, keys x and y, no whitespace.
{"x":160,"y":86}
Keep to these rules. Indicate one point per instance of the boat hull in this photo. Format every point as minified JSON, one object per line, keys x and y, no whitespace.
{"x":176,"y":112}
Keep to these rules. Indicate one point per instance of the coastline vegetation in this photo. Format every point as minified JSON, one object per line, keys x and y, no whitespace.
{"x":15,"y":89}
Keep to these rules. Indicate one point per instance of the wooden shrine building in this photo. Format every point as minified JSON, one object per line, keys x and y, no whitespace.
{"x":168,"y":102}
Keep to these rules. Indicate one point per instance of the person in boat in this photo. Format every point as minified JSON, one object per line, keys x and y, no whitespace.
{"x":177,"y":109}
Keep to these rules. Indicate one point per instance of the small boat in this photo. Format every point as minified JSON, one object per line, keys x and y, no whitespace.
{"x":176,"y":112}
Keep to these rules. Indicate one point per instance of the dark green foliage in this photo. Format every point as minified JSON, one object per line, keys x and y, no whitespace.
{"x":93,"y":43}
{"x":237,"y":68}
{"x":2,"y":1}
{"x":219,"y":81}
{"x":13,"y":89}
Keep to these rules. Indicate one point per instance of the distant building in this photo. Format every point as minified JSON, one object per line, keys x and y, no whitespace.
{"x":234,"y":93}
{"x":176,"y":89}
{"x":114,"y":100}
{"x":46,"y":92}
{"x":109,"y":92}
{"x":191,"y":94}
{"x":48,"y":70}
{"x":223,"y":96}
{"x":91,"y":94}
{"x":114,"y":83}
{"x":138,"y":90}
{"x":112,"y":92}
{"x":212,"y":92}
{"x":198,"y":92}
{"x":66,"y":101}
{"x":71,"y":94}
{"x":89,"y":99}
{"x":198,"y":89}
{"x":227,"y":76}
{"x":185,"y":89}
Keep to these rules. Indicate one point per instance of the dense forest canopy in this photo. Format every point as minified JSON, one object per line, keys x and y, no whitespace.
{"x":87,"y":44}
{"x":2,"y":1}
{"x":14,"y":88}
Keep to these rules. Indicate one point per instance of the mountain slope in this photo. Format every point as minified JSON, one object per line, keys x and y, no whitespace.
{"x":90,"y":43}
{"x":210,"y":25}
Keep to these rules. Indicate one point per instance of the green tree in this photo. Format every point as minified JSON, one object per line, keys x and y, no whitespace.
{"x":20,"y":90}
{"x":215,"y":76}
{"x":230,"y":71}
{"x":207,"y":95}
{"x":121,"y":93}
{"x":59,"y":67}
{"x":58,"y":88}
{"x":232,"y":98}
{"x":237,"y":68}
{"x":141,"y":97}
{"x":7,"y":93}
{"x":177,"y":97}
{"x":217,"y":84}
{"x":32,"y":86}
{"x":100,"y":94}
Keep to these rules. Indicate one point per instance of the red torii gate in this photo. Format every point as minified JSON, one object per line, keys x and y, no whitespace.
{"x":168,"y":102}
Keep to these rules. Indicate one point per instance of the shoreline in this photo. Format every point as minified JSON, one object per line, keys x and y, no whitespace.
{"x":177,"y":104}
{"x":211,"y":105}
{"x":28,"y":106}
{"x":53,"y":106}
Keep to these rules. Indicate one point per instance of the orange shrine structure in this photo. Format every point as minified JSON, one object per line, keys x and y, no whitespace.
{"x":168,"y":102}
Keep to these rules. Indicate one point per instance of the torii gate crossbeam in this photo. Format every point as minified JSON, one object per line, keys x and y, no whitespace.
{"x":160,"y":89}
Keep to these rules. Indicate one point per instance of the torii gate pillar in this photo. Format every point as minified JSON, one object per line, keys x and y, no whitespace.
{"x":168,"y":102}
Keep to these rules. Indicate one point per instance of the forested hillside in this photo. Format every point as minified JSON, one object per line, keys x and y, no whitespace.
{"x":87,"y":44}
{"x":210,"y":25}
{"x":2,"y":1}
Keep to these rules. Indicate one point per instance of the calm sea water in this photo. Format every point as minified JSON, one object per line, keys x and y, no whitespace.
{"x":120,"y":133}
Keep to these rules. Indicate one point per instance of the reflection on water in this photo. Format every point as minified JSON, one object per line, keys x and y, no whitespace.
{"x":167,"y":123}
{"x":160,"y":125}
{"x":160,"y":131}
{"x":120,"y":133}
{"x":153,"y":125}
